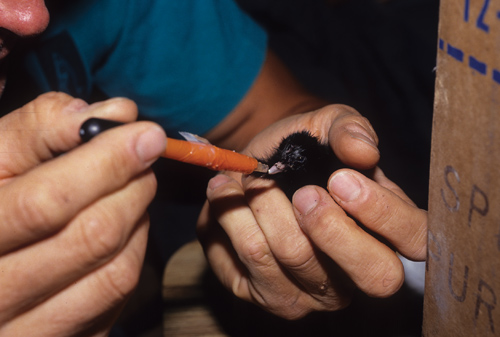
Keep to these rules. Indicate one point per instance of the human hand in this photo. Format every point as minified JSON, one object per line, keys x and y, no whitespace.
{"x":73,"y":226}
{"x":309,"y":255}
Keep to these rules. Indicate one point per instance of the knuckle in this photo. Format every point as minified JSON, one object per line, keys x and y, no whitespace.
{"x":54,"y":96}
{"x":50,"y":96}
{"x":32,"y":214}
{"x":122,"y":103}
{"x":330,"y":230}
{"x":339,"y":111}
{"x":257,"y":253}
{"x":335,"y":303}
{"x":290,"y":308}
{"x":52,"y":101}
{"x":106,"y":229}
{"x":339,"y":299}
{"x":294,"y":254}
{"x":384,"y":279}
{"x":34,"y":208}
{"x":120,"y":278}
{"x":102,"y":235}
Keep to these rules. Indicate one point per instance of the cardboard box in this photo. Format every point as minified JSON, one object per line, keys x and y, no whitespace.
{"x":462,"y":296}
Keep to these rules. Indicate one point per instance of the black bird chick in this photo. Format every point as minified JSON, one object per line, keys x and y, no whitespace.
{"x":300,"y":160}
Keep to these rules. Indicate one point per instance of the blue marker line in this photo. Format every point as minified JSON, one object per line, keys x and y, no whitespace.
{"x":496,"y":75}
{"x":474,"y":63}
{"x":477,"y":65}
{"x":466,"y":12}
{"x":455,"y":53}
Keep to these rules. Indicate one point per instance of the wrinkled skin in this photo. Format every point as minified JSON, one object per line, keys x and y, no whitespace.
{"x":292,"y":258}
{"x":74,"y":227}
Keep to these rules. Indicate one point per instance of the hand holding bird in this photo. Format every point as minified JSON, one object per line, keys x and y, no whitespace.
{"x":292,"y":258}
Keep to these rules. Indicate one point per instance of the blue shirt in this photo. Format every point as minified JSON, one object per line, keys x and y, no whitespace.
{"x":186,"y":63}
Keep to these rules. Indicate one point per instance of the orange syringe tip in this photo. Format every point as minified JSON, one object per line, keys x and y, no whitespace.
{"x":209,"y":156}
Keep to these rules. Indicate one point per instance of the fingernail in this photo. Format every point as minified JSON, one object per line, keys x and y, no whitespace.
{"x":344,"y":186}
{"x":305,"y":200}
{"x":151,"y":144}
{"x":217,"y":181}
{"x":358,"y":132}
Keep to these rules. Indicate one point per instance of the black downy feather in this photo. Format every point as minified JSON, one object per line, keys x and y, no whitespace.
{"x":300,"y":160}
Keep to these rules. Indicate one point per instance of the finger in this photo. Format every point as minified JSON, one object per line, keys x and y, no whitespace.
{"x":349,"y":134}
{"x":49,"y":125}
{"x":228,"y":205}
{"x":92,"y":302}
{"x":258,"y":277}
{"x":43,"y":200}
{"x":353,"y":140}
{"x":288,"y":244}
{"x":371,"y":265}
{"x":379,"y":177}
{"x":382,"y":210}
{"x":220,"y":254}
{"x":91,"y":239}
